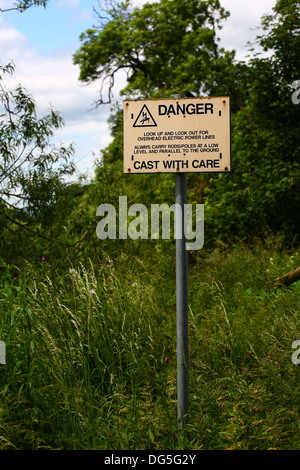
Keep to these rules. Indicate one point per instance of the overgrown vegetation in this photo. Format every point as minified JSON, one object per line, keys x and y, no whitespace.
{"x":91,"y":354}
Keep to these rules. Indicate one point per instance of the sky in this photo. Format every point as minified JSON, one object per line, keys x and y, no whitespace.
{"x":41,"y":43}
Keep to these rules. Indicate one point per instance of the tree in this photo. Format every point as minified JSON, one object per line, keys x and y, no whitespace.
{"x":28,"y":162}
{"x":33,"y":171}
{"x":170,"y":48}
{"x":35,"y":199}
{"x":166,"y":48}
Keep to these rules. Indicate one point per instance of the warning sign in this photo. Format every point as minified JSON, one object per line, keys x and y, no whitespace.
{"x":144,"y":118}
{"x":177,"y":135}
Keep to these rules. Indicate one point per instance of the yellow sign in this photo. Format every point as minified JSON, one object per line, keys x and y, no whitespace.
{"x":177,"y":135}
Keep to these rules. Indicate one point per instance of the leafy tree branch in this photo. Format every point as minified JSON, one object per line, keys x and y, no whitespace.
{"x":27,"y":158}
{"x":165,"y":48}
{"x":23,"y":5}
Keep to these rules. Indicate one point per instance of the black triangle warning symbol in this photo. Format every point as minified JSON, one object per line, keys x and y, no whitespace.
{"x":145,"y":118}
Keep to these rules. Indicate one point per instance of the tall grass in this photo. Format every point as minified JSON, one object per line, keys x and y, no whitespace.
{"x":85,"y":359}
{"x":91,"y":354}
{"x":242,"y":331}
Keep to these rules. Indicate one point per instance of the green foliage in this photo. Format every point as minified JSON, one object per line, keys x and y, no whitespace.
{"x":85,"y":332}
{"x":262,"y":193}
{"x":35,"y":199}
{"x":244,"y":329}
{"x":23,"y":5}
{"x":91,"y":359}
{"x":27,"y":158}
{"x":33,"y":189}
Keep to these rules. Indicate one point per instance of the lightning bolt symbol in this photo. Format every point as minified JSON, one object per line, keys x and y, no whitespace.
{"x":145,"y":117}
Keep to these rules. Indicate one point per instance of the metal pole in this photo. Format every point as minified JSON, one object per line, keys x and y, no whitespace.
{"x":181,"y":300}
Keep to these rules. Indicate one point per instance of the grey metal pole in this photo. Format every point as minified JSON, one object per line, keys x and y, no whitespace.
{"x":181,"y":301}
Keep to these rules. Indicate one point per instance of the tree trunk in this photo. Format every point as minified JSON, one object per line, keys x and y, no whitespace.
{"x":288,"y":279}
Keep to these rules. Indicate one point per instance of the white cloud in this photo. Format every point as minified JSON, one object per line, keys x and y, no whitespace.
{"x":13,"y":43}
{"x":6,"y":4}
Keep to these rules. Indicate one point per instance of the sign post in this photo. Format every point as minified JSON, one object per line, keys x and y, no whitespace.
{"x":178,"y":136}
